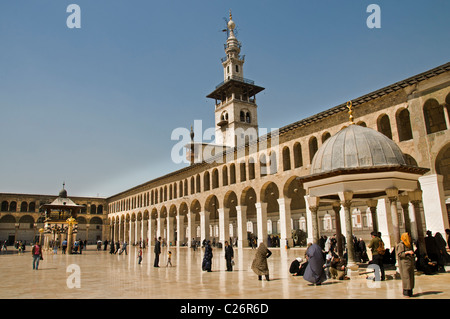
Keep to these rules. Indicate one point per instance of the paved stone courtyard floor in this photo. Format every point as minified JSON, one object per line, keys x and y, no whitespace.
{"x":104,"y":276}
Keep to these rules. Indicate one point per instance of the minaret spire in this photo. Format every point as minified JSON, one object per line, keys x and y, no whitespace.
{"x":235,"y":107}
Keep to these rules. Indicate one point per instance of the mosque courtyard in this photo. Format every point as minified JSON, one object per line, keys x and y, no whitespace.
{"x":100,"y":275}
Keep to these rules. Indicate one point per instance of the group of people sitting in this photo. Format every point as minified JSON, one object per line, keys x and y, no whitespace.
{"x":322,"y":264}
{"x":319,"y":265}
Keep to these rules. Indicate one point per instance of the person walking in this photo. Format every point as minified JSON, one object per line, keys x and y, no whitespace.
{"x":169,"y":259}
{"x":140,"y":255}
{"x":64,"y":246}
{"x":405,"y":255}
{"x":124,"y":248}
{"x":259,"y":264}
{"x":207,"y":258}
{"x":377,"y":258}
{"x":229,"y":255}
{"x":314,"y":272}
{"x":157,"y":251}
{"x":36,"y":252}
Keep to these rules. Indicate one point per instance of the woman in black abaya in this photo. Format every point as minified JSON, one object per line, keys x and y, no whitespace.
{"x":314,"y":272}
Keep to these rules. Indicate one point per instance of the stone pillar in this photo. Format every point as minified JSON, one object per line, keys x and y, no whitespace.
{"x":286,"y":239}
{"x":346,"y":202}
{"x":151,"y":237}
{"x":415,"y":197}
{"x":392,"y":194}
{"x":340,"y":242}
{"x":204,"y":225}
{"x":404,"y":202}
{"x":126,"y":231}
{"x":313,"y":206}
{"x":242,"y":226}
{"x":132,"y":232}
{"x":170,"y":231}
{"x":180,"y":229}
{"x":159,"y":226}
{"x":224,"y":225}
{"x":372,"y":204}
{"x":191,"y":226}
{"x":144,"y":231}
{"x":261,"y":217}
{"x":384,"y":221}
{"x":435,"y":211}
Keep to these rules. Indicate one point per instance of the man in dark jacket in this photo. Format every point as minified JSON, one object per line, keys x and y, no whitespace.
{"x":157,"y":252}
{"x":229,"y":254}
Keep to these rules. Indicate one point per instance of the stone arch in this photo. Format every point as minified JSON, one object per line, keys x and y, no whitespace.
{"x":434,"y":116}
{"x":7,"y":219}
{"x":384,"y":125}
{"x":206,"y":181}
{"x":26,"y":219}
{"x":410,"y":160}
{"x":230,"y":199}
{"x":325,"y":136}
{"x":242,"y":171}
{"x":362,"y":123}
{"x":232,"y":174}
{"x":197,"y":183}
{"x":225,"y":175}
{"x":403,"y":120}
{"x":4,"y":206}
{"x":442,"y":165}
{"x":215,"y":178}
{"x":96,"y":221}
{"x":286,"y":158}
{"x":212,"y":203}
{"x":294,"y":190}
{"x":154,"y":213}
{"x":183,"y":208}
{"x":298,"y":156}
{"x":13,"y":206}
{"x":23,"y":207}
{"x":269,"y":194}
{"x":163,"y":212}
{"x":196,"y":207}
{"x":313,"y":147}
{"x":173,"y":210}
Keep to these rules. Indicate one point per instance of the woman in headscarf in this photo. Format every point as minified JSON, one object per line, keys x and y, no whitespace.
{"x":314,"y":272}
{"x":405,"y":255}
{"x":207,"y":258}
{"x":259,"y":264}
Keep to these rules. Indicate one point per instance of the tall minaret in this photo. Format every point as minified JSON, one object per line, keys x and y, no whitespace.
{"x":235,"y":113}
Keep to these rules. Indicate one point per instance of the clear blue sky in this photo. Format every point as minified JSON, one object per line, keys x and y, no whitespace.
{"x":95,"y":107}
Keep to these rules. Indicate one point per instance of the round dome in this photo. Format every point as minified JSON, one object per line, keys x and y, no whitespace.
{"x":356,"y":147}
{"x":63,"y":193}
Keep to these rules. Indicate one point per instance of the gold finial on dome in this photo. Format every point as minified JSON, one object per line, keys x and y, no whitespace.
{"x":230,"y":15}
{"x":350,"y":111}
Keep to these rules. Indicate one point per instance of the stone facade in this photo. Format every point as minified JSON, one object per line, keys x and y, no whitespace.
{"x":254,"y":189}
{"x":21,"y":217}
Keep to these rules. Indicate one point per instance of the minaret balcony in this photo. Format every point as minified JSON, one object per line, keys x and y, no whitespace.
{"x":236,"y":78}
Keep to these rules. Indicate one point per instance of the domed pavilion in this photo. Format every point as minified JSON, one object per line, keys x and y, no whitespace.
{"x":359,"y":164}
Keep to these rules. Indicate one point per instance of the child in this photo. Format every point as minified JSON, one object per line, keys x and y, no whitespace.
{"x":140,"y":255}
{"x":169,"y":258}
